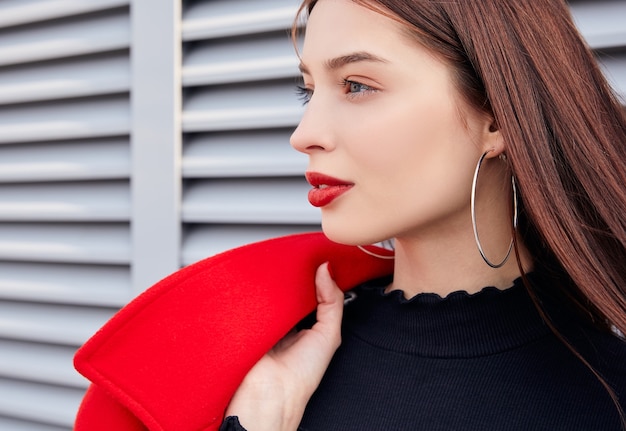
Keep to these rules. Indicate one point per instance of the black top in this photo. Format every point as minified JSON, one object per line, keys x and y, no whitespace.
{"x":465,"y":362}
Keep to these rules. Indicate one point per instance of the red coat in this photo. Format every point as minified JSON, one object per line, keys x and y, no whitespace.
{"x":172,"y":358}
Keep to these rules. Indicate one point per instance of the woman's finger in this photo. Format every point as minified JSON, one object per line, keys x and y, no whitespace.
{"x":330,"y":307}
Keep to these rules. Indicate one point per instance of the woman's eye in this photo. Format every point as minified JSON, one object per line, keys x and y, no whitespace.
{"x":351,"y":88}
{"x":304,"y":94}
{"x":355,"y":88}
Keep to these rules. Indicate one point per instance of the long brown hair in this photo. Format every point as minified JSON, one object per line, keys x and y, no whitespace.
{"x":525,"y":63}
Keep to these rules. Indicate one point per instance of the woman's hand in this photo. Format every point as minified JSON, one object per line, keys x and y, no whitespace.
{"x":275,"y":392}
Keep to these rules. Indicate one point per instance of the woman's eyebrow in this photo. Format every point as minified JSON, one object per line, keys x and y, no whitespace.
{"x":342,"y":60}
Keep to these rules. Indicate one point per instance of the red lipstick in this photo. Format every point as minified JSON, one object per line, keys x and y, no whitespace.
{"x":325,"y":188}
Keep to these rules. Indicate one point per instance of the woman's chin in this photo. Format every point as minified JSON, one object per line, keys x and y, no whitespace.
{"x":338,"y":235}
{"x":344,"y":235}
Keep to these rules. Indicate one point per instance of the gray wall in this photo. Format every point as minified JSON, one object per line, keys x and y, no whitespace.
{"x":111,"y":176}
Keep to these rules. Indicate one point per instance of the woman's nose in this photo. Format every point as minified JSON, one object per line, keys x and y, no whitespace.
{"x":313,"y":132}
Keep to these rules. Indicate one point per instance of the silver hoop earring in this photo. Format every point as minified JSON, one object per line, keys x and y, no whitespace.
{"x":385,"y":245}
{"x":473,"y":207}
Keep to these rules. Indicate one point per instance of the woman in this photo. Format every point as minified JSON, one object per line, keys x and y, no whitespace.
{"x":447,"y":126}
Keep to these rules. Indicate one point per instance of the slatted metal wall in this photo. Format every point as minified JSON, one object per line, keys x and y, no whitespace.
{"x":603,"y":23}
{"x":64,"y":197}
{"x":242,"y":180}
{"x":68,"y":250}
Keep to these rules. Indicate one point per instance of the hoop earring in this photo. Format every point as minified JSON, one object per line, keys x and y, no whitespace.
{"x":473,"y":207}
{"x":389,"y":244}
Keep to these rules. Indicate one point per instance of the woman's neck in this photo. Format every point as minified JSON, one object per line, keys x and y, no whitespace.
{"x":443,"y":265}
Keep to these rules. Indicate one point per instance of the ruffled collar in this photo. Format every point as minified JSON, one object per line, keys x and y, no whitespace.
{"x":461,"y":325}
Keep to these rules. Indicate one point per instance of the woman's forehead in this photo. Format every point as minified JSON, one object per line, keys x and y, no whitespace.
{"x":336,"y":28}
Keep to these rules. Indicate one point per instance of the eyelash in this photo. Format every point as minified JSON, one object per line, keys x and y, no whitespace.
{"x":305,"y":94}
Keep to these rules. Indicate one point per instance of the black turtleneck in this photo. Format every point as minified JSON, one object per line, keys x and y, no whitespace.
{"x":485,"y":361}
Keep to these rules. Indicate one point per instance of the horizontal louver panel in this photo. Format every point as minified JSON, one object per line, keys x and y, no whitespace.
{"x":220,"y":18}
{"x":240,"y":59}
{"x":69,"y":119}
{"x":93,"y":159}
{"x":104,"y":31}
{"x":249,"y":201}
{"x":47,"y":323}
{"x":65,"y":283}
{"x":206,"y":240}
{"x":45,"y":404}
{"x":65,"y":202}
{"x":241,"y":154}
{"x":12,"y":424}
{"x":241,"y":106}
{"x":16,"y":12}
{"x":66,"y":243}
{"x":77,"y":77}
{"x":21,"y":360}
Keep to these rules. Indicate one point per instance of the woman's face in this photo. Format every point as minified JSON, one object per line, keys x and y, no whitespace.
{"x":391,"y":147}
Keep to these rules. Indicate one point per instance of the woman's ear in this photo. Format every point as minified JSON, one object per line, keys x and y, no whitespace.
{"x":492,"y":139}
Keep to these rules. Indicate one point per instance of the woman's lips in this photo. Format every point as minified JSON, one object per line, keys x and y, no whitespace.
{"x":325,"y":188}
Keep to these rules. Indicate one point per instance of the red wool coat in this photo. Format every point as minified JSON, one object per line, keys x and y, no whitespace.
{"x":172,"y":358}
